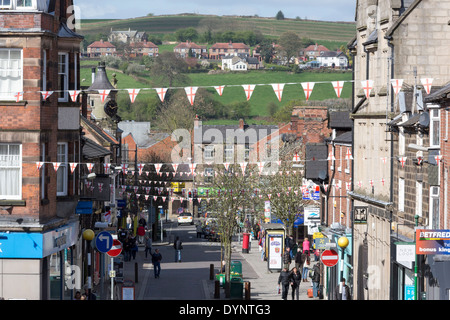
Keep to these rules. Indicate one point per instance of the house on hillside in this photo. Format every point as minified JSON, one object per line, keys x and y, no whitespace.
{"x":234,"y":63}
{"x":333,"y":59}
{"x":312,"y":52}
{"x":101,"y":48}
{"x":190,"y":49}
{"x":219,"y":50}
{"x":127,"y":36}
{"x":144,"y":48}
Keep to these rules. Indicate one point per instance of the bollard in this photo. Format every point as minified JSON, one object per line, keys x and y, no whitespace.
{"x":211,"y":272}
{"x":136,"y":276}
{"x":217,"y":289}
{"x":247,"y":290}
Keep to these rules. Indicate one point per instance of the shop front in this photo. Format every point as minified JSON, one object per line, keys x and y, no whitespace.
{"x":40,"y":266}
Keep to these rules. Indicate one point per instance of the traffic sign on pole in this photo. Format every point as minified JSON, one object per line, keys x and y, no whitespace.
{"x":330,"y":258}
{"x":116,"y":249}
{"x":104,"y":241}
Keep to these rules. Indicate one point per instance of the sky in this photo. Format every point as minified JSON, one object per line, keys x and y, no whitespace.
{"x":325,"y":10}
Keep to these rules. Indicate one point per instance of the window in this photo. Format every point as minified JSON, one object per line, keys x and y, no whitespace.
{"x":10,"y":171}
{"x":401,"y":194}
{"x":209,"y":152}
{"x":63,"y":76}
{"x":401,"y":141}
{"x":10,"y":73}
{"x":434,"y":128}
{"x":62,"y":173}
{"x":229,"y":153}
{"x":24,"y":3}
{"x":209,"y":174}
{"x":434,"y":207}
{"x":44,"y":70}
{"x":5,"y":4}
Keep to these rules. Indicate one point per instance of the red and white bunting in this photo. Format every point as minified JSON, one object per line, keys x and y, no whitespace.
{"x":100,"y":186}
{"x":348,"y":155}
{"x":56,"y":165}
{"x":19,"y":96}
{"x":39,"y":165}
{"x":46,"y":94}
{"x":384,"y":159}
{"x":175,"y":166}
{"x":382,"y":181}
{"x":106,"y":166}
{"x":338,"y":85}
{"x":331,"y":156}
{"x":219,"y":89}
{"x":133,"y":94}
{"x":348,"y":186}
{"x":163,"y":199}
{"x":192,"y":167}
{"x":248,"y":88}
{"x":308,"y":88}
{"x":74,"y":95}
{"x":296,"y":157}
{"x":226,"y":165}
{"x":243,"y":166}
{"x":367,"y":87}
{"x":157,"y":167}
{"x":325,"y":187}
{"x":427,"y":82}
{"x":140,"y":167}
{"x":438,"y":158}
{"x":397,"y":85}
{"x":261,"y":167}
{"x":190,"y":93}
{"x":278,"y":88}
{"x":73,"y":166}
{"x":402,"y":161}
{"x":161,"y":93}
{"x":103,"y":94}
{"x":89,"y":166}
{"x":419,"y":160}
{"x":124,"y":167}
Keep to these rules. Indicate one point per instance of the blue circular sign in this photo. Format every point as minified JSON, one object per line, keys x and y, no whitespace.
{"x":104,"y":241}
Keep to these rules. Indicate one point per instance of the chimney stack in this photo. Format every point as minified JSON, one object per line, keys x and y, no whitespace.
{"x":241,"y":124}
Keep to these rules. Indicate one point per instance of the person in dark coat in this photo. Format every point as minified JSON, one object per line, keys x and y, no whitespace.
{"x":156,"y":260}
{"x":177,"y":245}
{"x":283,"y":280}
{"x":345,"y":294}
{"x":299,"y":259}
{"x":287,"y":258}
{"x":295,"y":279}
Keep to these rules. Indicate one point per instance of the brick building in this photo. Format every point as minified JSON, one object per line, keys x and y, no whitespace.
{"x":38,"y":52}
{"x":219,"y":50}
{"x":101,"y":48}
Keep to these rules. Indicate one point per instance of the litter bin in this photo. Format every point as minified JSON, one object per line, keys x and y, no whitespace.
{"x":236,"y":267}
{"x":236,"y":288}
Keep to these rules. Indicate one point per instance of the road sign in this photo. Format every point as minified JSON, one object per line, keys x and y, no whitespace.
{"x":329,"y":258}
{"x":116,"y":249}
{"x":104,"y":241}
{"x":321,"y":243}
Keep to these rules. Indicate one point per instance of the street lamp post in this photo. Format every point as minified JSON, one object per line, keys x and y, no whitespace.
{"x":88,"y":235}
{"x":342,"y":243}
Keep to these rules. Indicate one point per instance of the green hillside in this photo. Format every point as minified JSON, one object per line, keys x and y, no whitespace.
{"x":317,"y":30}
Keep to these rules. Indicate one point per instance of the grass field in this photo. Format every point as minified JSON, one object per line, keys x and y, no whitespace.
{"x":234,"y":92}
{"x":340,"y":32}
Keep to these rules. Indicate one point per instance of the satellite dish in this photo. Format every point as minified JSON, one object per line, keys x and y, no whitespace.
{"x":424,"y":119}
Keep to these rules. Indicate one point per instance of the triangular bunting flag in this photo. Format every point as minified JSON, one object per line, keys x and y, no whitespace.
{"x":248,"y":88}
{"x":39,"y":165}
{"x":296,"y":157}
{"x":56,"y":165}
{"x":140,"y":167}
{"x":73,"y":166}
{"x":161,"y":93}
{"x":89,"y":166}
{"x":348,"y":155}
{"x":133,"y":93}
{"x":219,"y":90}
{"x":331,"y":157}
{"x":278,"y":88}
{"x":19,"y":96}
{"x":402,"y":161}
{"x":308,"y":88}
{"x":190,"y":92}
{"x":367,"y":87}
{"x":397,"y":85}
{"x":46,"y":94}
{"x":175,"y":166}
{"x":74,"y":95}
{"x":338,"y":85}
{"x":426,"y":82}
{"x":103,"y":94}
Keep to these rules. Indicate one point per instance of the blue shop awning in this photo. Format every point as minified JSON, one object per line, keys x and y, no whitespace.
{"x":84,"y":207}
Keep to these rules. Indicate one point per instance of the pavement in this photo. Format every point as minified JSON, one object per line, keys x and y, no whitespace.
{"x":262,"y":282}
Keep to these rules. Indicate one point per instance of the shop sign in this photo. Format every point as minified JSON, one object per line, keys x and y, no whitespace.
{"x":432,"y":241}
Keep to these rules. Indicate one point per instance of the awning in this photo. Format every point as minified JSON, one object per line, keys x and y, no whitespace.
{"x":84,"y":207}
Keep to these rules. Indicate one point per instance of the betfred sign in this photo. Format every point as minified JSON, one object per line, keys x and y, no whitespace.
{"x":432,"y":241}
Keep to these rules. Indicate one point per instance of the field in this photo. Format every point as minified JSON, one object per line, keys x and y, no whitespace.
{"x":340,"y":32}
{"x":234,"y":91}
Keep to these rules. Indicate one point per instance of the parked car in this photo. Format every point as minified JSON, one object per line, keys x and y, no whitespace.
{"x":185,"y":217}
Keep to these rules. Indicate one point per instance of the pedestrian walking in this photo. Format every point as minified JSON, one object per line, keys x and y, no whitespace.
{"x":77,"y":296}
{"x":316,"y":255}
{"x":156,"y":260}
{"x":141,"y":234}
{"x":342,"y":293}
{"x":299,"y":260}
{"x":148,"y":245}
{"x":315,"y":279}
{"x":305,"y":267}
{"x":199,"y":230}
{"x":306,"y":246}
{"x":295,"y":279}
{"x":283,"y":280}
{"x":127,"y":245}
{"x":134,"y":247}
{"x":287,"y":258}
{"x":129,"y":222}
{"x":178,"y":245}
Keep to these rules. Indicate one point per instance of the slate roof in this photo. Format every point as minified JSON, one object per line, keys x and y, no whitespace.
{"x":139,"y":130}
{"x":316,"y":160}
{"x":339,"y":120}
{"x":439,"y":94}
{"x":92,"y":150}
{"x":101,"y":44}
